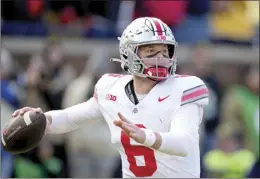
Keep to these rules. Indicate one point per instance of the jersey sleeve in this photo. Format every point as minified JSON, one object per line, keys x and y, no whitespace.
{"x":183,"y":132}
{"x":74,"y":117}
{"x":194,"y":92}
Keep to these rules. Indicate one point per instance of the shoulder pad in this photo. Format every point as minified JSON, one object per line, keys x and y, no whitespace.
{"x":105,"y":82}
{"x":194,"y":90}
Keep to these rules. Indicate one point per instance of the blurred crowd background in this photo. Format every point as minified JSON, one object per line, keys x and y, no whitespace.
{"x":53,"y":53}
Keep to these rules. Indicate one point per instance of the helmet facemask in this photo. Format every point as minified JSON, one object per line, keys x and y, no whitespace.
{"x":152,"y":67}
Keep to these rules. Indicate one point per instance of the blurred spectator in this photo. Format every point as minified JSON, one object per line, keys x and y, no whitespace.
{"x":170,"y":12}
{"x":113,"y":9}
{"x":228,"y":160}
{"x":39,"y":163}
{"x":67,"y":11}
{"x":11,"y":92}
{"x":26,"y":10}
{"x":82,"y":8}
{"x":253,"y":16}
{"x":234,"y":22}
{"x":29,"y":79}
{"x":49,"y":74}
{"x":125,"y":15}
{"x":23,"y":17}
{"x":195,"y":26}
{"x":73,"y":96}
{"x":240,"y":112}
{"x":253,"y":12}
{"x":89,"y":18}
{"x":102,"y":16}
{"x":192,"y":20}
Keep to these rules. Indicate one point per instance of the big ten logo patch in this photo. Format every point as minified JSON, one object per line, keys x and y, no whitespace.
{"x":111,"y":97}
{"x":161,"y":37}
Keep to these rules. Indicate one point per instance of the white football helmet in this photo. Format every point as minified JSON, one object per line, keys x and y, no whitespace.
{"x":144,"y":31}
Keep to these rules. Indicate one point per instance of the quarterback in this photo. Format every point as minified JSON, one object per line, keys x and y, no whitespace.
{"x":153,"y":114}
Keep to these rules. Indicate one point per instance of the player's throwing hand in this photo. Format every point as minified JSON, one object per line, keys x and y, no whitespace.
{"x":26,"y":109}
{"x":130,"y":129}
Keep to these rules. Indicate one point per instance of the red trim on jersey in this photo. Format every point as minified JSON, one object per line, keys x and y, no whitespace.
{"x":116,"y":75}
{"x":158,"y":27}
{"x":181,"y":76}
{"x":197,"y":94}
{"x":95,"y":96}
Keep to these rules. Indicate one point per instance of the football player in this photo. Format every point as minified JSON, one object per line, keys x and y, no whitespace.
{"x":153,"y":114}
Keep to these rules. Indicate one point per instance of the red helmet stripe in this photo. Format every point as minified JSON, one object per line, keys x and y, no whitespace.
{"x":158,"y":27}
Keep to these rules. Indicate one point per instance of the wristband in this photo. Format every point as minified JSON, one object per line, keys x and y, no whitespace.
{"x":150,"y":137}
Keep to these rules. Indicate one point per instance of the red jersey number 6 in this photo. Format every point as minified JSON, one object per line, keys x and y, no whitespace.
{"x":132,"y":151}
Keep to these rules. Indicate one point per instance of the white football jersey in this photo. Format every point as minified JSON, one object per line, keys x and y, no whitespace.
{"x":155,"y":112}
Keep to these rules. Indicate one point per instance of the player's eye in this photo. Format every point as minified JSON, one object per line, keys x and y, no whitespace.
{"x":165,"y":51}
{"x":150,"y":50}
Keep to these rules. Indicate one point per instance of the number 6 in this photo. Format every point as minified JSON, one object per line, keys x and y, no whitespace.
{"x":132,"y":151}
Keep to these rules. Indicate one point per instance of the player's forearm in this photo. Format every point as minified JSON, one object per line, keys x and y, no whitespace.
{"x":66,"y":120}
{"x":183,"y":132}
{"x":172,"y":144}
{"x":58,"y":122}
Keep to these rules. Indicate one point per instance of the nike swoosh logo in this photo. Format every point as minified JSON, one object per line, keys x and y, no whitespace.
{"x":161,"y":99}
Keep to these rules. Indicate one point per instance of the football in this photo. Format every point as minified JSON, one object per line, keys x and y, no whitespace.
{"x":24,"y":133}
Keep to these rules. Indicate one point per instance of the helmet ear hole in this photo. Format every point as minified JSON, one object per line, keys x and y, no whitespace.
{"x":171,"y":49}
{"x":125,"y":57}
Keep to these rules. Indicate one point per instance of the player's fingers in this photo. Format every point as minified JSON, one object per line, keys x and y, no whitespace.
{"x":38,"y":110}
{"x":118,"y":123}
{"x":132,"y":127}
{"x":133,"y":135}
{"x":128,"y":128}
{"x":123,"y":118}
{"x":15,"y":113}
{"x":25,"y":109}
{"x":128,"y":132}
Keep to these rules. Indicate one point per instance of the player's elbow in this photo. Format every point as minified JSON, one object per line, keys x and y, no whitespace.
{"x":174,"y":144}
{"x":184,"y":154}
{"x":181,"y":152}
